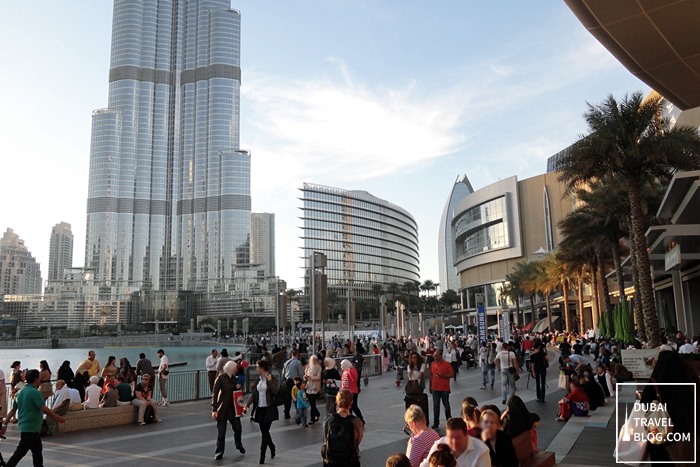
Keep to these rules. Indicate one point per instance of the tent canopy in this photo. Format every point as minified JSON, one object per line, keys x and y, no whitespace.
{"x":543,"y":325}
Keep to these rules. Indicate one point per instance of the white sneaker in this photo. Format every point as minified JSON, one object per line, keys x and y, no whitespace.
{"x":482,"y":387}
{"x":142,"y":423}
{"x":164,"y":404}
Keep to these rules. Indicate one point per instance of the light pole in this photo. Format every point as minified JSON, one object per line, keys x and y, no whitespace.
{"x":277,"y":309}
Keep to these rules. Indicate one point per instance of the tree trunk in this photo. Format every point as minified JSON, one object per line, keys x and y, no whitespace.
{"x":533,"y":316}
{"x":651,"y":319}
{"x":565,"y":293}
{"x":638,"y":301}
{"x":579,"y":305}
{"x":549,"y":312}
{"x":595,"y":299}
{"x":615,"y":250}
{"x":603,"y":281}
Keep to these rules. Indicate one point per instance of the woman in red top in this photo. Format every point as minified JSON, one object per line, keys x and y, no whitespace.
{"x":350,"y":381}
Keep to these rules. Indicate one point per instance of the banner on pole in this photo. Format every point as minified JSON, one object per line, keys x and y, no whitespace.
{"x":481,"y":322}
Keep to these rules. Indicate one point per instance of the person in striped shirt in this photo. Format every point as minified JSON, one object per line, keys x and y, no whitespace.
{"x":422,"y":437}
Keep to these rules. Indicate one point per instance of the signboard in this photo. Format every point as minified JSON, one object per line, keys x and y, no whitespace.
{"x":672,"y":258}
{"x":640,"y":361}
{"x":481,"y":322}
{"x":239,"y":402}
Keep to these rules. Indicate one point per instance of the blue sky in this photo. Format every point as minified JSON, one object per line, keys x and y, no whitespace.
{"x":394,"y":97}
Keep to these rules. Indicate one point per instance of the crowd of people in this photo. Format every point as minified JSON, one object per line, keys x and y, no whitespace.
{"x":323,"y":386}
{"x":478,"y":436}
{"x":33,"y":394}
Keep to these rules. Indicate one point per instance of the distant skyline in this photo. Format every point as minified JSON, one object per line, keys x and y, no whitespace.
{"x":394,"y":98}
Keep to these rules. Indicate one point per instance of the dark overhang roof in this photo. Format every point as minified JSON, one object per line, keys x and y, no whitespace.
{"x":656,"y":40}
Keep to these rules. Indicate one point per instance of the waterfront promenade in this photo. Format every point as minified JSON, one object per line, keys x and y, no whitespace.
{"x":187,"y":434}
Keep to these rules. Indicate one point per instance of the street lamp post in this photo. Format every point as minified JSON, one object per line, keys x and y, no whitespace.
{"x":277,"y":309}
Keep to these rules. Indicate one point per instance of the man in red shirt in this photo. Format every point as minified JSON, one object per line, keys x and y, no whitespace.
{"x":441,"y":373}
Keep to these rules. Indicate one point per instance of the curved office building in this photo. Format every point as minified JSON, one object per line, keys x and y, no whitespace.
{"x":448,"y":274}
{"x":367,"y":240}
{"x":500,"y":225}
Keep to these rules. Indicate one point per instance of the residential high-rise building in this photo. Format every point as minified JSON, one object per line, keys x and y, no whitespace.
{"x":262,"y":241}
{"x":368,"y":241}
{"x":20,"y":274}
{"x":60,"y":251}
{"x":449,"y":279}
{"x":169,"y":189}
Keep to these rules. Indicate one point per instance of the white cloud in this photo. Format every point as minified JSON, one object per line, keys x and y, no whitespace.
{"x":339,"y":129}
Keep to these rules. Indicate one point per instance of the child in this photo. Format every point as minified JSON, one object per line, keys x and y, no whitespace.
{"x":295,"y":389}
{"x":302,"y":403}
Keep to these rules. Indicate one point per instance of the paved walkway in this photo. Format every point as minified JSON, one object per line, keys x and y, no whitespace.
{"x":187,"y":434}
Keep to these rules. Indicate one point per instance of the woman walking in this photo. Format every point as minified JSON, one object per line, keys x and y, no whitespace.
{"x":312,"y":375}
{"x":539,"y":361}
{"x":351,"y":382}
{"x":507,"y":363}
{"x":331,"y":380}
{"x":266,"y":412}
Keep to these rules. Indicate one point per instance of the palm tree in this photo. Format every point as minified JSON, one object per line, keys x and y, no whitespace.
{"x":449,"y":298}
{"x":516,"y":288}
{"x":629,"y":140}
{"x":429,"y":286}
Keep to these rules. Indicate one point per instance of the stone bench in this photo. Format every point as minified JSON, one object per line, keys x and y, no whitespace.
{"x":527,"y":456}
{"x":88,"y":419}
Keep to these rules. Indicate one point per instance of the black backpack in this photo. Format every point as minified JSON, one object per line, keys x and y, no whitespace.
{"x":282,"y":395}
{"x":339,"y":439}
{"x":149,"y":415}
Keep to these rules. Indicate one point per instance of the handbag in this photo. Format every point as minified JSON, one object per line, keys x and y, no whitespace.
{"x":629,"y":451}
{"x":563,"y":380}
{"x":413,"y":388}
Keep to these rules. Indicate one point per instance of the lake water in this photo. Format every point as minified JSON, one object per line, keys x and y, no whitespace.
{"x":30,"y":358}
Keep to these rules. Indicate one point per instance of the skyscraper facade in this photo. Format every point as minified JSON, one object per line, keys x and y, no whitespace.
{"x":367,"y":240}
{"x":20,"y":274}
{"x":60,"y":251}
{"x":449,"y":280}
{"x":169,"y":189}
{"x":262,"y":241}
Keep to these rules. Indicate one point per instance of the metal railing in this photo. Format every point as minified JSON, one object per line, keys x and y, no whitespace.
{"x":192,"y":385}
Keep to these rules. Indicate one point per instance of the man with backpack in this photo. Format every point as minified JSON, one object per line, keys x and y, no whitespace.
{"x":342,"y":434}
{"x":292,"y":369}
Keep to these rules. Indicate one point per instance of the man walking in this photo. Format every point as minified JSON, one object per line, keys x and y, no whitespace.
{"x":292,"y":369}
{"x":29,"y":405}
{"x":210,"y":363}
{"x":441,"y":372}
{"x":163,"y":373}
{"x":223,"y":409}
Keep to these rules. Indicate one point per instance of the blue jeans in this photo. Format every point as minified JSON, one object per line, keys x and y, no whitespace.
{"x":507,"y":384}
{"x":301,"y":416}
{"x":444,"y":397}
{"x":485,"y":373}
